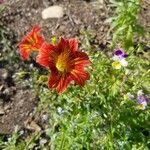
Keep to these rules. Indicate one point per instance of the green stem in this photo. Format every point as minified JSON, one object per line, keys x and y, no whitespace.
{"x":62,"y":141}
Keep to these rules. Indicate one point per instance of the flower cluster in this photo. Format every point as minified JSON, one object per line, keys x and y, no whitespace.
{"x":65,"y":62}
{"x":141,"y":100}
{"x":119,"y":59}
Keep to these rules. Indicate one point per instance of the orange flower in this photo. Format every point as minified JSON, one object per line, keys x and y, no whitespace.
{"x":65,"y":62}
{"x":31,"y":42}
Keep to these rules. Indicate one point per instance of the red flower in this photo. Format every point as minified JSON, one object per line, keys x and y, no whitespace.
{"x":65,"y":62}
{"x":31,"y":42}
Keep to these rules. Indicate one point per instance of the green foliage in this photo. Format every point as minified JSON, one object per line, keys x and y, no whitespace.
{"x":124,"y":22}
{"x":11,"y":144}
{"x":99,"y":116}
{"x":16,"y":142}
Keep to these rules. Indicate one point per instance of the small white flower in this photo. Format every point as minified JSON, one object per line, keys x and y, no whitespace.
{"x":130,"y":96}
{"x":60,"y":110}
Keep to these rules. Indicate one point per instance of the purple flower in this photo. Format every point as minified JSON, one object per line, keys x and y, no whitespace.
{"x":142,"y":99}
{"x":119,"y":59}
{"x":120,"y":53}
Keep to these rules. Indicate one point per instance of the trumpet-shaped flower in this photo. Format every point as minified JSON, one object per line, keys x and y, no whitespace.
{"x":65,"y":62}
{"x":31,"y":42}
{"x":119,"y":59}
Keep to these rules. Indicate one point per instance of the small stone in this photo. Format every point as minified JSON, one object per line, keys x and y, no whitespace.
{"x":6,"y":92}
{"x":21,"y":132}
{"x":3,"y":74}
{"x":53,"y":12}
{"x":32,"y":125}
{"x":44,"y":117}
{"x":7,"y":107}
{"x":2,"y":112}
{"x":43,"y":141}
{"x":2,"y":88}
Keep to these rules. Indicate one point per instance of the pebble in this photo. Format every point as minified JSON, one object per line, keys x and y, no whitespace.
{"x":2,"y":88}
{"x":53,"y":12}
{"x":2,"y":112}
{"x":44,"y":117}
{"x":3,"y":74}
{"x":32,"y":126}
{"x":43,"y":141}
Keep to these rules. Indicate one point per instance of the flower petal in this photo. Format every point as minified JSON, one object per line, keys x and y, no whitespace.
{"x":59,"y":81}
{"x":43,"y":57}
{"x":31,"y":42}
{"x":80,"y":76}
{"x":73,"y":43}
{"x":63,"y":45}
{"x":119,"y":52}
{"x":124,"y":62}
{"x":80,"y":60}
{"x":116,"y":65}
{"x":116,"y":58}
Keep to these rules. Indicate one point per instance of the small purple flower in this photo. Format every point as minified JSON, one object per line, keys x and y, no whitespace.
{"x":119,"y":59}
{"x":120,"y":53}
{"x":142,"y":99}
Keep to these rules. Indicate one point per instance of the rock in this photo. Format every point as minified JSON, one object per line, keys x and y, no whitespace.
{"x":2,"y":112}
{"x":2,"y":88}
{"x":44,"y":118}
{"x":53,"y":12}
{"x":32,"y":125}
{"x":3,"y":74}
{"x":43,"y":141}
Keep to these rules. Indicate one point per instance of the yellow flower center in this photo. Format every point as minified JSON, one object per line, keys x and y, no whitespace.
{"x":62,"y":63}
{"x":116,"y":65}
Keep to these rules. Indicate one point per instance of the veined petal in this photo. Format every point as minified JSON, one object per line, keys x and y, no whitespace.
{"x":81,"y":59}
{"x":63,"y":45}
{"x":73,"y":43}
{"x":36,"y":29}
{"x":80,"y":76}
{"x":31,"y":42}
{"x":59,"y":82}
{"x":24,"y":53}
{"x":44,"y":55}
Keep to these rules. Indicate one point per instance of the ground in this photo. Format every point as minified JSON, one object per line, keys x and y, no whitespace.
{"x":17,"y":101}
